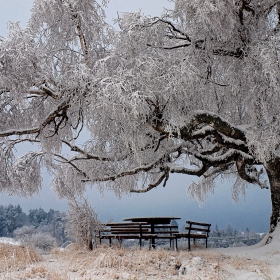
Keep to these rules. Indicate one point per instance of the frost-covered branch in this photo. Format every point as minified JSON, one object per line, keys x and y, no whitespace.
{"x":50,"y":118}
{"x":152,"y":185}
{"x":173,"y":28}
{"x":82,"y":39}
{"x":197,"y":172}
{"x":142,"y":168}
{"x":198,"y":44}
{"x":44,"y":91}
{"x":227,"y":157}
{"x":170,"y":47}
{"x":218,"y":123}
{"x":66,"y":161}
{"x":87,"y":155}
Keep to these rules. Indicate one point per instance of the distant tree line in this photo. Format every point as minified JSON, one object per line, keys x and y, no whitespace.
{"x":51,"y":223}
{"x":231,"y":237}
{"x":231,"y":231}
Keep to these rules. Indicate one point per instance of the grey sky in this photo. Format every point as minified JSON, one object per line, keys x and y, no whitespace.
{"x":171,"y":200}
{"x":19,"y":10}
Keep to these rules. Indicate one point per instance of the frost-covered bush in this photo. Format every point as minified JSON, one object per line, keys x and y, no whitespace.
{"x":24,"y":233}
{"x":30,"y":236}
{"x":43,"y":241}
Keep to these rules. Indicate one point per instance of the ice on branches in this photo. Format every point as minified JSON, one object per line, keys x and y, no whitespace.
{"x":195,"y":92}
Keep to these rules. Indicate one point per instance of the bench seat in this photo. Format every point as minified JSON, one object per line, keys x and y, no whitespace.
{"x":131,"y":230}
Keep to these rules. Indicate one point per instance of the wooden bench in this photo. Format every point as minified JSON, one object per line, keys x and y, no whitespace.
{"x":195,"y":230}
{"x":166,"y":232}
{"x":131,"y":230}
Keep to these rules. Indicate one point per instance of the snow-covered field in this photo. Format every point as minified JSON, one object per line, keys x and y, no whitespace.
{"x":257,"y":262}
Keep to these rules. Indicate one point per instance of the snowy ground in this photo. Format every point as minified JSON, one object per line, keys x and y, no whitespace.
{"x":8,"y":240}
{"x":248,"y":263}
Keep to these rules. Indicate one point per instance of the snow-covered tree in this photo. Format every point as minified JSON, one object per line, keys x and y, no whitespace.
{"x":82,"y":223}
{"x":4,"y":231}
{"x":37,"y":217}
{"x":193,"y":92}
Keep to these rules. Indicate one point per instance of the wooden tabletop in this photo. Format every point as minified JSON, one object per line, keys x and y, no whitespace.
{"x":154,"y":220}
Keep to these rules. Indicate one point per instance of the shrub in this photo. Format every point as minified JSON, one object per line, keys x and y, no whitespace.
{"x":43,"y":241}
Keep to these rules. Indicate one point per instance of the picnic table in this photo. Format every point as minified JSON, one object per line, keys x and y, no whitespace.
{"x":153,"y":221}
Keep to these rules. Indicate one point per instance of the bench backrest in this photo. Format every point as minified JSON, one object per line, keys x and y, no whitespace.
{"x":166,"y":229}
{"x":126,"y":228}
{"x":198,"y":227}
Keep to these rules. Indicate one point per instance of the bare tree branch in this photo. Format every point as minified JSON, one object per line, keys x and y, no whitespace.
{"x":151,"y":186}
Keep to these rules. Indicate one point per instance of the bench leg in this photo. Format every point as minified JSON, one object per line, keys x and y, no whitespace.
{"x":151,"y":246}
{"x":120,"y":242}
{"x":173,"y":244}
{"x":189,"y":243}
{"x":206,"y":242}
{"x":176,"y":244}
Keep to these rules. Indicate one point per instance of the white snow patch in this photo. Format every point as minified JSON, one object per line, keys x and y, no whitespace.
{"x":8,"y":240}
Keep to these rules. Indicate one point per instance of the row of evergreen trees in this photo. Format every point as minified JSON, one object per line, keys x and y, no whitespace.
{"x":51,"y":222}
{"x":230,"y":231}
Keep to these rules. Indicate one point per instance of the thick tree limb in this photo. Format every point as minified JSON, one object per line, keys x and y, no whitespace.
{"x":216,"y":171}
{"x":220,"y":138}
{"x":227,"y":157}
{"x":197,"y":172}
{"x":241,"y":168}
{"x":217,"y":122}
{"x":215,"y":148}
{"x":44,"y":91}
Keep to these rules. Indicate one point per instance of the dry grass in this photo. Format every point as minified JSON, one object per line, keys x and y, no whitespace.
{"x":123,"y":264}
{"x":42,"y":272}
{"x":14,"y":256}
{"x":114,"y":263}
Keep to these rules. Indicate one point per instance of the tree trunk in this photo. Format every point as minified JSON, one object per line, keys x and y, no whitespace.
{"x":273,"y":173}
{"x":89,"y":242}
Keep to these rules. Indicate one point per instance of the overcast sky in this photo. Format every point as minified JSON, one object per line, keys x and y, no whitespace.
{"x":172,"y":200}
